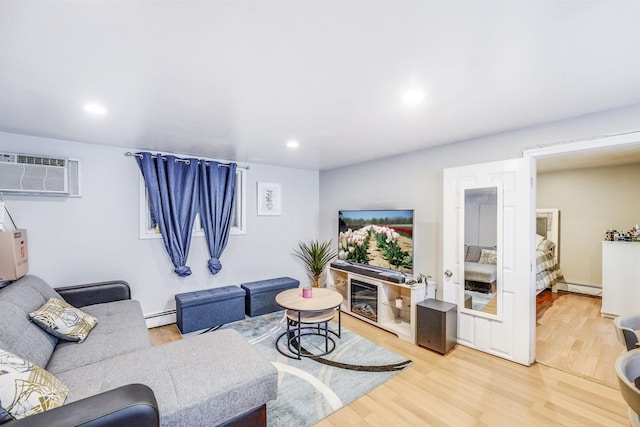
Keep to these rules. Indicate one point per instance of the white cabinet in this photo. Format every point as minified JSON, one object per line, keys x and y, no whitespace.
{"x":395,"y":302}
{"x":620,"y":278}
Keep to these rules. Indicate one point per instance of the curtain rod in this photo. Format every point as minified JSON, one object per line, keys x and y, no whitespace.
{"x":130,"y":154}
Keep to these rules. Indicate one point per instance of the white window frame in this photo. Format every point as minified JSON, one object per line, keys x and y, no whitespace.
{"x":239,"y":222}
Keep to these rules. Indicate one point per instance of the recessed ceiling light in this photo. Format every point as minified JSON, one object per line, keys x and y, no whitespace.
{"x":95,"y":109}
{"x":413,"y":96}
{"x":292,"y":143}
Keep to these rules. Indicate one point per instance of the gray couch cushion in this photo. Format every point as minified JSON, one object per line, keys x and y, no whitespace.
{"x":202,"y":380}
{"x":121,"y":328}
{"x":485,"y":273}
{"x":18,"y":334}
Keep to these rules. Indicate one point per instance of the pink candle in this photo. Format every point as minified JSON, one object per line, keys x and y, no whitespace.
{"x":306,"y":292}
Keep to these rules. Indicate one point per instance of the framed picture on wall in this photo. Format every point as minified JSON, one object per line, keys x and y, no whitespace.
{"x":269,"y":198}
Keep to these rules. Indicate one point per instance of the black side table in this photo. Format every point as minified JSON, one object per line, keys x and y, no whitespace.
{"x":437,"y":327}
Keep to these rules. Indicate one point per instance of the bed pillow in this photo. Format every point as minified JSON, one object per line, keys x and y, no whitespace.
{"x":27,"y":389}
{"x":545,"y":245}
{"x":488,"y":256}
{"x":63,"y":320}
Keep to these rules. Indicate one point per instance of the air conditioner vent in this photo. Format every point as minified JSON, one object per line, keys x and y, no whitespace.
{"x":43,"y":175}
{"x":37,"y":160}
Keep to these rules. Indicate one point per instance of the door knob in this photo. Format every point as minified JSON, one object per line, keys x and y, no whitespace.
{"x":448,"y":273}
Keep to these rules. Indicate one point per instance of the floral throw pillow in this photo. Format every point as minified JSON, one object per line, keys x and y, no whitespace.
{"x":63,"y":320}
{"x":27,"y":389}
{"x":488,"y":256}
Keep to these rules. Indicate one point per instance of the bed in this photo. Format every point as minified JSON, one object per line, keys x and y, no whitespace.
{"x":548,"y":272}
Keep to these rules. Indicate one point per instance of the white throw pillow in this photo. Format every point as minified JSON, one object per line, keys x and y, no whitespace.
{"x":63,"y":320}
{"x":27,"y":389}
{"x":488,"y":256}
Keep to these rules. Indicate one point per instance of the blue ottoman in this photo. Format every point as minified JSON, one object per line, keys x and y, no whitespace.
{"x":209,"y":308}
{"x":261,"y":295}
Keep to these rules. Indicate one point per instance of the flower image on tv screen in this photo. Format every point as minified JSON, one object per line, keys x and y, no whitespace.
{"x":380,"y":238}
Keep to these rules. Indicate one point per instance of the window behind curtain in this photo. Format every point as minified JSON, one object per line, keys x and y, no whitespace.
{"x":238,"y":225}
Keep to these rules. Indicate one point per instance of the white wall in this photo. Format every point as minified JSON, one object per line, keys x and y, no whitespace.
{"x":95,"y":237}
{"x":590,"y":201}
{"x":414,"y":180}
{"x":480,"y":220}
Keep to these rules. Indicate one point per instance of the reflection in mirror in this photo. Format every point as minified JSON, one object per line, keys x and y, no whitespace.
{"x":481,"y":250}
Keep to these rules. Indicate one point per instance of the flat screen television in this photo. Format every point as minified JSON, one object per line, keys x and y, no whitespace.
{"x":379,"y":238}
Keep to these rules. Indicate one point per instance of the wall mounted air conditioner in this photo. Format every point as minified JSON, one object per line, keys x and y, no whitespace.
{"x":39,"y":175}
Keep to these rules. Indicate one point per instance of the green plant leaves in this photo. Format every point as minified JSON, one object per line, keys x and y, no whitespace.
{"x":315,"y":256}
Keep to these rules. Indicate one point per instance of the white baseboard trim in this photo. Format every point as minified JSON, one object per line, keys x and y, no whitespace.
{"x":161,"y":318}
{"x":582,"y":288}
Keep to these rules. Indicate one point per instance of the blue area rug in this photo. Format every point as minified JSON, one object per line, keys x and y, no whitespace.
{"x":479,"y":299}
{"x":312,"y":389}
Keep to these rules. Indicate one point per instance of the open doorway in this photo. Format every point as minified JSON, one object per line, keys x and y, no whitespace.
{"x":586,"y":183}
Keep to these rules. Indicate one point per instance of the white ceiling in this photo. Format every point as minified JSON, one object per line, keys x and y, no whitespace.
{"x":236,"y":79}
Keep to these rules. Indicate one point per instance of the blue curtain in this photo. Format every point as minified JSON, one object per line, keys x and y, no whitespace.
{"x":172,"y":184}
{"x":217,"y":192}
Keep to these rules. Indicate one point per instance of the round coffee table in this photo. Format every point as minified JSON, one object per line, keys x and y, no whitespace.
{"x":312,"y":312}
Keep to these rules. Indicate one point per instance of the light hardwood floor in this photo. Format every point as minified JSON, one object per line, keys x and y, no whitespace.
{"x":572,"y":335}
{"x":469,"y":388}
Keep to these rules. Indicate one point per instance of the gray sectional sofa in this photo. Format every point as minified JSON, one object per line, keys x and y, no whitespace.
{"x":479,"y":276}
{"x":116,"y":377}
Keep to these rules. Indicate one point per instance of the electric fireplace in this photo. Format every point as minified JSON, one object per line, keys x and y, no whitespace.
{"x":364,"y":299}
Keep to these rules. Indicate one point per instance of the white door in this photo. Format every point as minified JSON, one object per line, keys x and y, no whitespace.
{"x":509,"y":332}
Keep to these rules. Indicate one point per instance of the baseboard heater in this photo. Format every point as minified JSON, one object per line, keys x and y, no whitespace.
{"x":161,"y":318}
{"x":589,"y":291}
{"x":160,"y":314}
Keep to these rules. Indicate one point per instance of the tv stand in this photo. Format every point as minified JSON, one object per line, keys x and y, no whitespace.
{"x":398,"y":317}
{"x":375,"y":272}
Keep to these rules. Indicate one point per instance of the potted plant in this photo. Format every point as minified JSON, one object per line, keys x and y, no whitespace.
{"x":315,"y":256}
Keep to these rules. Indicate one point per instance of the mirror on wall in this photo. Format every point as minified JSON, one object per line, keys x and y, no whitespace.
{"x":480,"y":284}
